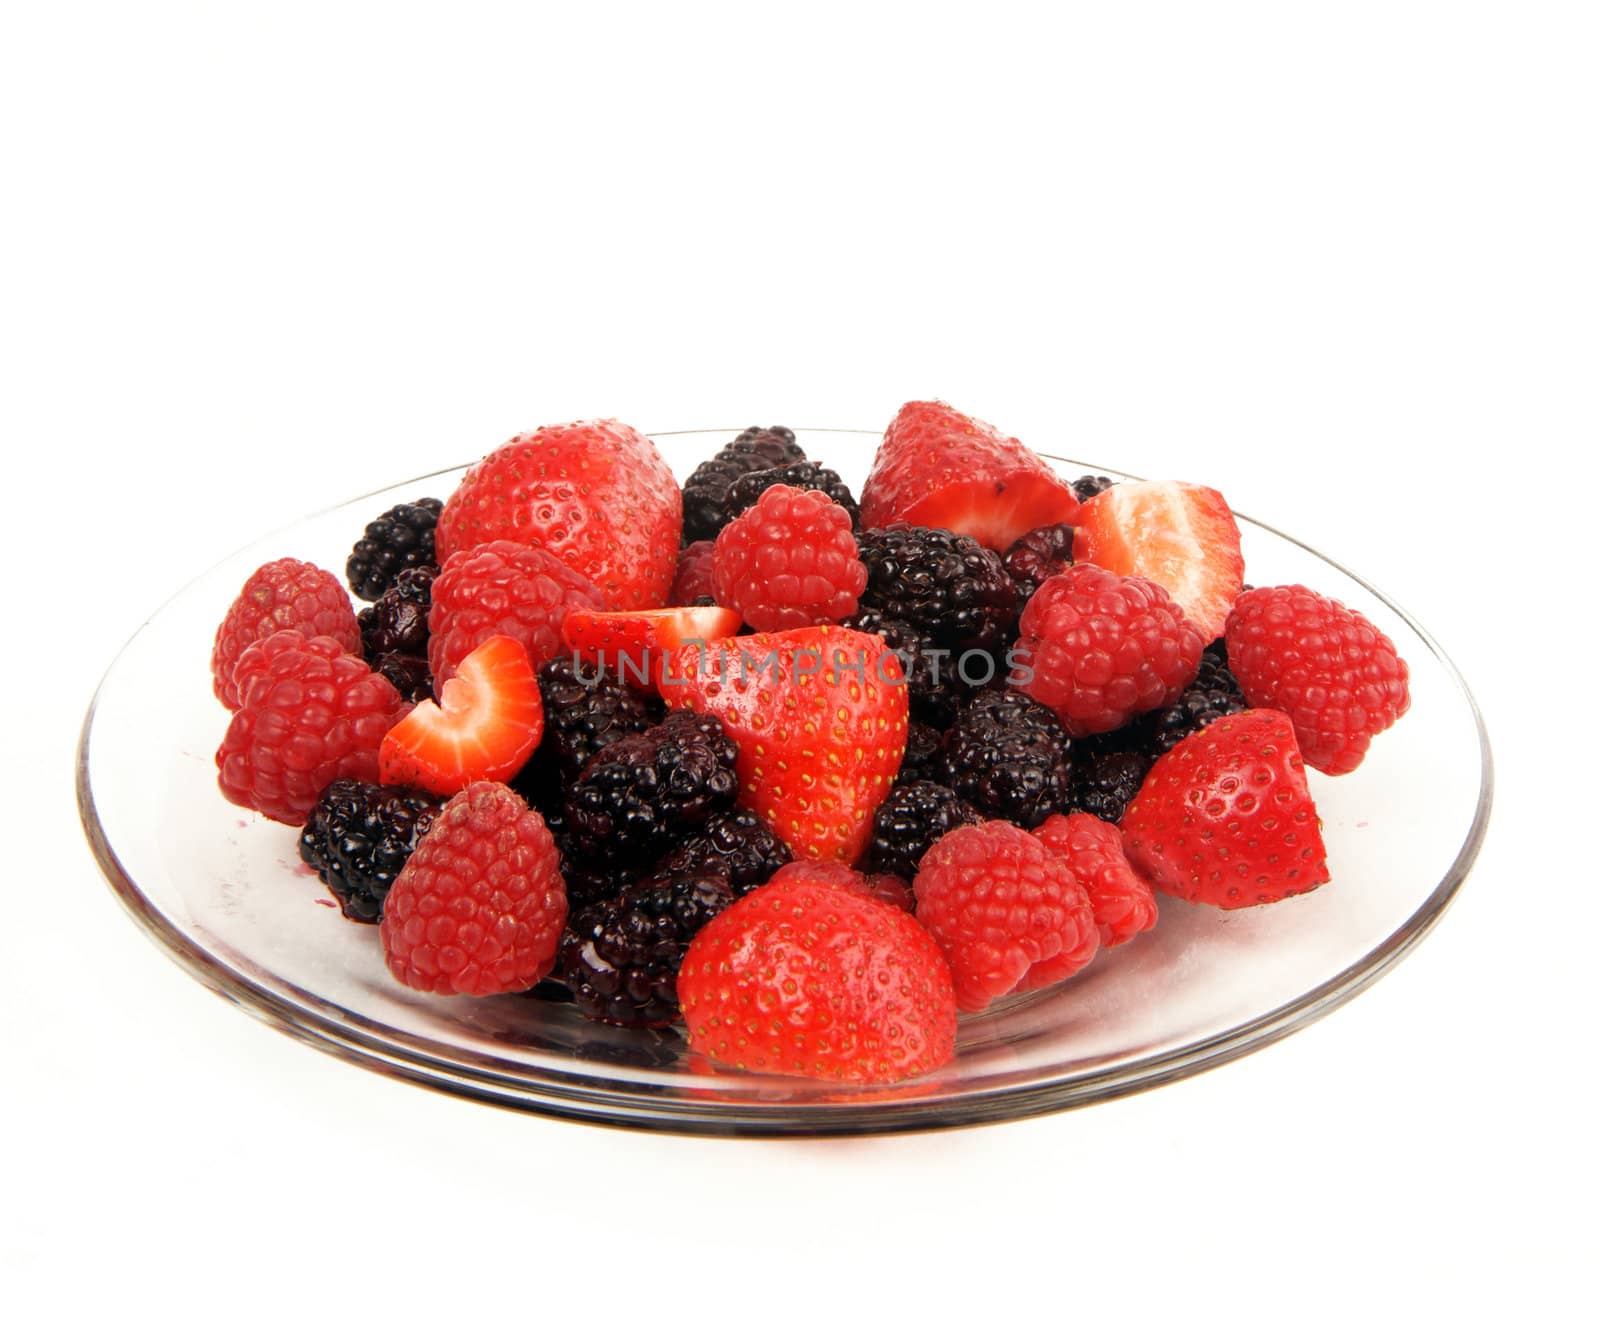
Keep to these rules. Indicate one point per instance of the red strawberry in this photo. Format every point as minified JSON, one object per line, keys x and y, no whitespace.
{"x":820,"y":718}
{"x":484,"y":728}
{"x":803,"y":977}
{"x":1180,"y":535}
{"x":1225,"y":816}
{"x":595,"y":494}
{"x":943,"y":470}
{"x":631,"y":645}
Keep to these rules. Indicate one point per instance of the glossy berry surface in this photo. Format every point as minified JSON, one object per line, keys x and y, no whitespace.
{"x":285,"y":594}
{"x":705,"y":492}
{"x":310,"y":714}
{"x":480,"y":905}
{"x":621,"y":957}
{"x":807,"y":978}
{"x":1124,"y":904}
{"x":1009,"y":757}
{"x":735,"y":845}
{"x":805,"y":476}
{"x":1103,"y":648}
{"x":1328,"y":667}
{"x":358,"y":838}
{"x":400,"y":539}
{"x":1008,"y":914}
{"x":916,"y":814}
{"x":789,"y":561}
{"x":1037,"y":555}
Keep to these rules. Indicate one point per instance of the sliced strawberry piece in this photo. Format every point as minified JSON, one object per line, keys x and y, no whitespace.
{"x":631,"y":645}
{"x":487,"y":723}
{"x":1181,"y":535}
{"x":943,"y":470}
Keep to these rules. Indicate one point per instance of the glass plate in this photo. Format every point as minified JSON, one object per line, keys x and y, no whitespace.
{"x":225,"y":894}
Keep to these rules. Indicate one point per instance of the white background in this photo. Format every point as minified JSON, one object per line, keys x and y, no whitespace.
{"x":1339,"y":261}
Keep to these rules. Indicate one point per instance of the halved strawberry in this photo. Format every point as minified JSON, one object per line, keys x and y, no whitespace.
{"x":941,"y":469}
{"x":631,"y":645}
{"x":1225,"y":816}
{"x":1181,"y":535}
{"x":487,"y":723}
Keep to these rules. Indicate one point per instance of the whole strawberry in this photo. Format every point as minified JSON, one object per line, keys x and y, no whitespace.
{"x":940,"y":469}
{"x":788,"y":561}
{"x":1225,"y":817}
{"x":502,"y":588}
{"x":1101,"y":648}
{"x":1124,"y":905}
{"x":310,"y":713}
{"x":480,"y":905}
{"x":1007,"y":912}
{"x":595,"y":494}
{"x":1328,"y":667}
{"x":282,"y":595}
{"x":805,"y":977}
{"x":820,"y":719}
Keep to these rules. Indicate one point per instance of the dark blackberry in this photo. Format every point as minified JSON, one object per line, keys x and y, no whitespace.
{"x":1009,"y":757}
{"x":399,"y":539}
{"x":1212,"y":694}
{"x":735,"y":844}
{"x":953,"y":591}
{"x":587,"y":709}
{"x":705,"y":492}
{"x":808,"y":476}
{"x":922,"y":751}
{"x":408,"y":673}
{"x":646,"y":791}
{"x":398,"y":621}
{"x":359,"y":837}
{"x":914,"y":816}
{"x":1037,"y":555}
{"x":933,"y":686}
{"x":621,"y":957}
{"x":1105,"y":779}
{"x":1091,"y":485}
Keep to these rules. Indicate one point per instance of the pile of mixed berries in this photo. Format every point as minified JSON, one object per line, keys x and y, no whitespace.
{"x":809,"y":775}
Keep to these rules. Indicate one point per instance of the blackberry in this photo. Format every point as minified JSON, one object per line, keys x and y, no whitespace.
{"x":587,"y":709}
{"x":399,"y":539}
{"x":359,"y":837}
{"x":914,"y":816}
{"x":705,"y":492}
{"x":735,"y":844}
{"x":922,"y":751}
{"x":408,"y":673}
{"x":1009,"y":757}
{"x":808,"y":476}
{"x":1105,"y":779}
{"x":1091,"y":485}
{"x":933,"y":687}
{"x":953,"y":591}
{"x":1037,"y":555}
{"x":1212,"y":694}
{"x":644,"y":792}
{"x":398,"y":621}
{"x":621,"y":957}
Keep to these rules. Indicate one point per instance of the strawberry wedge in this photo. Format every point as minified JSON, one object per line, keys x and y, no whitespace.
{"x":631,"y":645}
{"x":485,"y":726}
{"x":1180,"y":535}
{"x":943,"y":470}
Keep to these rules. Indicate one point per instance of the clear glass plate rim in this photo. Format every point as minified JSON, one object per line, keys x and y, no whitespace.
{"x":653,"y":1107}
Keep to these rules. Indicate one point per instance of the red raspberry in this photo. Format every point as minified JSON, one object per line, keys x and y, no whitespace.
{"x":883,"y":886}
{"x":1104,"y":647}
{"x":1005,"y":910}
{"x":1124,"y":904}
{"x":502,"y":588}
{"x":281,"y":595}
{"x":480,"y":905}
{"x":803,"y":977}
{"x":789,"y":561}
{"x":312,"y":713}
{"x":1329,"y":668}
{"x":694,"y":574}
